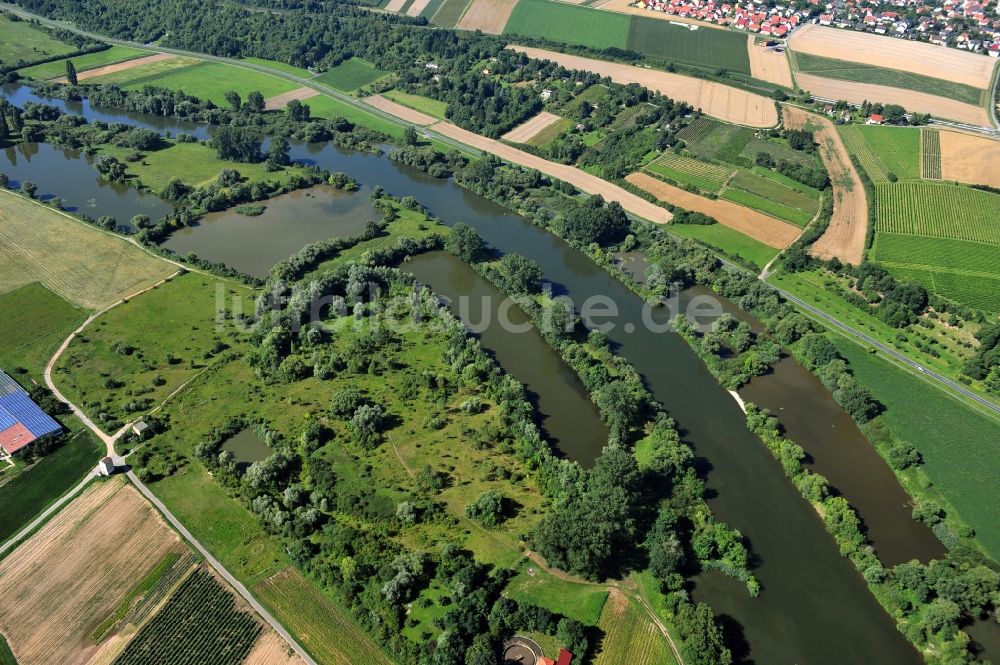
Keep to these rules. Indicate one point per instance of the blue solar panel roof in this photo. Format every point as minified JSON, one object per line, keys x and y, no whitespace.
{"x":16,"y":406}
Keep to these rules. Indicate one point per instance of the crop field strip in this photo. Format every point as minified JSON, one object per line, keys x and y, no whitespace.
{"x":705,"y":176}
{"x":199,"y":624}
{"x":938,"y":210}
{"x":630,"y":636}
{"x":930,"y":154}
{"x":885,"y":151}
{"x":711,"y":139}
{"x":586,"y":26}
{"x":858,"y":147}
{"x":767,"y":206}
{"x":84,"y":63}
{"x":894,"y":78}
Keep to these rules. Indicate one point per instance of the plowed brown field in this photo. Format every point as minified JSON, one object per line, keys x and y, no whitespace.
{"x":715,"y":99}
{"x":845,"y":237}
{"x":763,"y":228}
{"x":279,"y":101}
{"x":57,"y":586}
{"x":490,"y":16}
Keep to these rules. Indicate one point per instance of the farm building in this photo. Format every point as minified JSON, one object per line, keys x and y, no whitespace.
{"x":21,"y":420}
{"x":564,"y":657}
{"x":105,"y":467}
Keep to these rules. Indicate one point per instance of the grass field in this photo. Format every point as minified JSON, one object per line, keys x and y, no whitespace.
{"x":854,"y":71}
{"x":36,"y":487}
{"x":202,"y":79}
{"x":351,"y":74}
{"x":630,"y":636}
{"x":786,"y":181}
{"x":766,"y":205}
{"x":162,"y":337}
{"x":328,"y":107}
{"x":88,"y":268}
{"x":6,"y":657}
{"x":200,"y":618}
{"x":571,"y":24}
{"x":581,"y":601}
{"x":431,"y":107}
{"x":704,"y":176}
{"x":728,"y":241}
{"x":550,"y":133}
{"x":885,"y":151}
{"x":23,"y":43}
{"x":930,"y":154}
{"x":325,"y":629}
{"x":711,"y":139}
{"x":957,"y":443}
{"x":281,"y":66}
{"x":82,"y":63}
{"x":36,"y":322}
{"x":776,"y":190}
{"x":938,"y":210}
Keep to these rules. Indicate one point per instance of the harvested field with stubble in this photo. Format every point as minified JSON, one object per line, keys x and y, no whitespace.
{"x":845,"y":236}
{"x":529,"y":129}
{"x":271,"y":649}
{"x":762,"y":228}
{"x":857,"y":93}
{"x":970,"y":158}
{"x":579,"y":178}
{"x":715,"y":99}
{"x":629,"y":635}
{"x":63,"y":581}
{"x":85,"y":266}
{"x":768,"y":65}
{"x":400,"y":111}
{"x":280,"y":101}
{"x":490,"y":16}
{"x":940,"y":62}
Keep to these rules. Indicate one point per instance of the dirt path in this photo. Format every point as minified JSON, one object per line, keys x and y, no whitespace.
{"x":279,"y":101}
{"x":531,"y":128}
{"x":577,"y":177}
{"x":856,"y":93}
{"x":768,"y":65}
{"x":715,"y":99}
{"x":845,"y":237}
{"x":763,"y":228}
{"x":400,"y":111}
{"x":119,"y":67}
{"x":490,"y":16}
{"x":949,"y":64}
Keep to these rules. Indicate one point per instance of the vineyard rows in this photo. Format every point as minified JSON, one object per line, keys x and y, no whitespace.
{"x":699,"y":129}
{"x":957,"y":255}
{"x":976,"y":291}
{"x":930,"y":154}
{"x":708,"y":177}
{"x":938,"y":210}
{"x":858,"y":147}
{"x":730,"y":151}
{"x":200,"y":624}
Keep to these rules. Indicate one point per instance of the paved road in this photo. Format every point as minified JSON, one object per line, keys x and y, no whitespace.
{"x":51,"y":510}
{"x":235,"y":583}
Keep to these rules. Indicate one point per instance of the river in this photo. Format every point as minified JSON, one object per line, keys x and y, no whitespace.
{"x":814,"y":607}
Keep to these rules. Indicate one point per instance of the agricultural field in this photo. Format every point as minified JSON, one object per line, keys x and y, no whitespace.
{"x":968,"y":272}
{"x":582,"y":601}
{"x":586,"y":26}
{"x":551,"y":133}
{"x":202,"y":79}
{"x":728,"y":241}
{"x":53,"y":602}
{"x":766,"y":205}
{"x":885,"y":152}
{"x":431,"y":107}
{"x":36,"y":321}
{"x":329,"y":108}
{"x":351,"y":74}
{"x":201,"y":617}
{"x":938,"y":210}
{"x":24,"y":43}
{"x":791,"y":183}
{"x":930,"y":154}
{"x":629,"y":635}
{"x":281,"y":67}
{"x":325,"y":629}
{"x":86,"y":267}
{"x":956,"y":441}
{"x":895,"y":78}
{"x":83,"y":63}
{"x":706,"y":177}
{"x":449,"y":12}
{"x":148,"y":346}
{"x":714,"y":140}
{"x":970,"y":158}
{"x":489,"y":16}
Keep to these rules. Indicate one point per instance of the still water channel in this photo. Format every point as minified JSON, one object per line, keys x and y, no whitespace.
{"x":814,"y":607}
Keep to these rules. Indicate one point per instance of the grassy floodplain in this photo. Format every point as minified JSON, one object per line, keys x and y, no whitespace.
{"x":895,"y":78}
{"x":87,"y":267}
{"x":956,"y":441}
{"x":24,"y":43}
{"x":57,"y":68}
{"x":728,"y":241}
{"x":280,"y":66}
{"x":426,"y":105}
